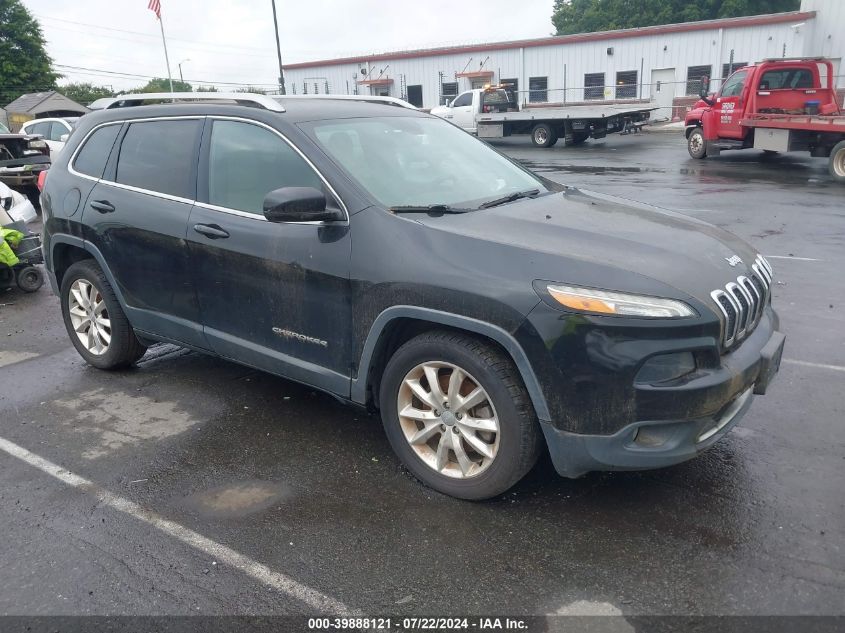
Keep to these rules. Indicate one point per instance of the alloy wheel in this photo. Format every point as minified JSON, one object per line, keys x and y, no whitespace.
{"x":89,"y":317}
{"x":448,"y":419}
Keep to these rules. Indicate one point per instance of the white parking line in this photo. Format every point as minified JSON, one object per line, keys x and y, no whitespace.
{"x":798,"y":259}
{"x":258,"y":571}
{"x":805,"y":363}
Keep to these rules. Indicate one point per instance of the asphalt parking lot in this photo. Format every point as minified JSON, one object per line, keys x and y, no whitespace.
{"x":233,"y":491}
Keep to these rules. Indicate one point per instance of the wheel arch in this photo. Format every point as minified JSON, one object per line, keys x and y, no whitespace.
{"x":398,"y":324}
{"x":66,"y":250}
{"x":690,"y":126}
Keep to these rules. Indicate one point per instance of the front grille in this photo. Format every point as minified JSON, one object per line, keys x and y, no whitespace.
{"x":743,"y":301}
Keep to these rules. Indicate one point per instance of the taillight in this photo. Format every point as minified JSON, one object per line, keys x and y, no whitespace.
{"x":42,"y":179}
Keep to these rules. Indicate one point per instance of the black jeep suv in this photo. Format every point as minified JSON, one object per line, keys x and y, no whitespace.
{"x":387,"y":257}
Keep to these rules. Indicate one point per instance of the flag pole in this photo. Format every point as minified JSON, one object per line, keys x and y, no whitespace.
{"x":166,"y":57}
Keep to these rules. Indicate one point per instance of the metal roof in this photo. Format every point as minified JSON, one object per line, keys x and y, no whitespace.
{"x":723,"y":23}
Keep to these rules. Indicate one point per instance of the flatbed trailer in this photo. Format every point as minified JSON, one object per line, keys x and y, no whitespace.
{"x":491,"y":113}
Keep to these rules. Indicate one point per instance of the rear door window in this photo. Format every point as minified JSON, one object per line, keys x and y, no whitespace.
{"x":159,"y":156}
{"x":92,"y":158}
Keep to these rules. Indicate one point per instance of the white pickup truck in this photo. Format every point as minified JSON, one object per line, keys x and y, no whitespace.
{"x":490,"y":113}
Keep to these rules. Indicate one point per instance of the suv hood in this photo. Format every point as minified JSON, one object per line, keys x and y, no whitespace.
{"x":592,"y":239}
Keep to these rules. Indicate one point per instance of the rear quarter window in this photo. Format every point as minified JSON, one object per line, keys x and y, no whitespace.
{"x":159,"y":156}
{"x":92,"y":158}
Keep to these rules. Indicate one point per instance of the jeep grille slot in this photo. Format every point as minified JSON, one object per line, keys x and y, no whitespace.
{"x":743,"y":301}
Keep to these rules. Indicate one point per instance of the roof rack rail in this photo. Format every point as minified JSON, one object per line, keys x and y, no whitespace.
{"x":243,"y":98}
{"x":371,"y":98}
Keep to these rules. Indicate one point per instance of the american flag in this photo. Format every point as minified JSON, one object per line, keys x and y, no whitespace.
{"x":155,"y":7}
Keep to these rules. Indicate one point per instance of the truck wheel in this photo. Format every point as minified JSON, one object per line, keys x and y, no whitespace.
{"x":837,"y":162}
{"x":543,"y":135}
{"x":95,"y":322}
{"x":578,"y":139}
{"x":695,"y":144}
{"x":457,"y":414}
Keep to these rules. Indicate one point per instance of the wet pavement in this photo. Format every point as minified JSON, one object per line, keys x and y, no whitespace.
{"x":309,"y":489}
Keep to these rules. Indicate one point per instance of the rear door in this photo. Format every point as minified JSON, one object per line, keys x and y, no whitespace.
{"x":730,"y":105}
{"x":137,"y":216}
{"x":273,"y":295}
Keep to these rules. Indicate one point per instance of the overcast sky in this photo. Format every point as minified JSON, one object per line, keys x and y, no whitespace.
{"x":233,"y":41}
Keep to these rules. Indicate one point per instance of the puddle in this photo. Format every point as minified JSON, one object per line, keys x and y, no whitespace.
{"x":239,"y":499}
{"x":589,"y":169}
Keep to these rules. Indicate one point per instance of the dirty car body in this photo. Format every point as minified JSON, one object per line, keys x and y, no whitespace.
{"x":639,"y":335}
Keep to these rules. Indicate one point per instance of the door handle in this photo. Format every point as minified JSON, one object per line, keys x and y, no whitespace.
{"x":103,"y":206}
{"x":211,"y":231}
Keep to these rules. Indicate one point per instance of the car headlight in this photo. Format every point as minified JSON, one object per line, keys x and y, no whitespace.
{"x":619,"y":303}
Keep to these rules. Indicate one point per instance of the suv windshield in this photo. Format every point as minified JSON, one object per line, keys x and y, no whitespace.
{"x":420,"y":161}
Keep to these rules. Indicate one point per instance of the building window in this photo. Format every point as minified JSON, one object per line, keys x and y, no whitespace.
{"x":694,"y":75}
{"x":626,"y":84}
{"x":730,"y":69}
{"x":538,"y":89}
{"x":593,"y":86}
{"x":448,"y":90}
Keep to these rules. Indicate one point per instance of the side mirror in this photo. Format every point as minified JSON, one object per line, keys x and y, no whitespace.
{"x":704,"y":91}
{"x":449,"y":103}
{"x":297,"y":204}
{"x":64,"y":137}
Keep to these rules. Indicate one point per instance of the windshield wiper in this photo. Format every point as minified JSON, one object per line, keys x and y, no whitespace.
{"x":511,"y":197}
{"x":431,"y":208}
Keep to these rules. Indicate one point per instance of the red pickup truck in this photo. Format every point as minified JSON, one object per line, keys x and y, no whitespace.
{"x":778,"y":105}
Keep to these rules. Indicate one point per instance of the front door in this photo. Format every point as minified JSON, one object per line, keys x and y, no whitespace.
{"x":462,"y":113}
{"x":137,"y":217}
{"x":272,"y":295}
{"x":663,"y":91}
{"x":729,"y":106}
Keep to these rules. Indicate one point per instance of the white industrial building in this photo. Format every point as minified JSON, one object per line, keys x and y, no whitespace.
{"x":662,"y":63}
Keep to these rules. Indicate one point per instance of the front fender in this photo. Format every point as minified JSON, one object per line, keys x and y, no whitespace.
{"x":503,"y":338}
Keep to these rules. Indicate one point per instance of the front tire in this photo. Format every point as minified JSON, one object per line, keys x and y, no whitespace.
{"x":458,"y":416}
{"x":696,"y":145}
{"x":837,"y":162}
{"x":95,"y":322}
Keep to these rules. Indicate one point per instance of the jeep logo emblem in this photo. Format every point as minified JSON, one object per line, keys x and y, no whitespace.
{"x":733,"y":260}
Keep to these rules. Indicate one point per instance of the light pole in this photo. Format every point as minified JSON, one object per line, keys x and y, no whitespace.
{"x":278,"y":50}
{"x":181,"y":78}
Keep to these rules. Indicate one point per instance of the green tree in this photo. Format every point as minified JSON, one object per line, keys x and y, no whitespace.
{"x":24,"y":64}
{"x":207,"y":89}
{"x":163,"y":85}
{"x":588,"y":16}
{"x":85,"y":93}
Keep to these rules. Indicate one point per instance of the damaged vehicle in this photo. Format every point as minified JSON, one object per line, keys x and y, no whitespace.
{"x":22,"y":158}
{"x":386,"y":257}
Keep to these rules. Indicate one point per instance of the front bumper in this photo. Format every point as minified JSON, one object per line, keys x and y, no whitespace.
{"x":642,"y":445}
{"x":671,"y":423}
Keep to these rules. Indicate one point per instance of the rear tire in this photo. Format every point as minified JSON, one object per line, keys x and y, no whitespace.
{"x":543,"y":135}
{"x":95,"y":322}
{"x":506,"y":454}
{"x":696,"y":145}
{"x":837,"y":162}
